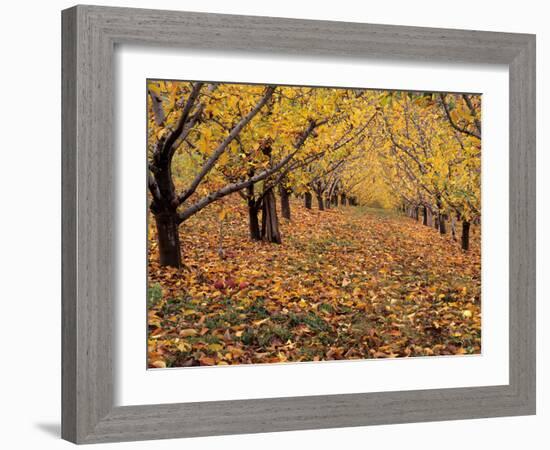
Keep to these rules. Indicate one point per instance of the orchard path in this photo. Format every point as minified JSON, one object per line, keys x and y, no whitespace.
{"x":346,"y":283}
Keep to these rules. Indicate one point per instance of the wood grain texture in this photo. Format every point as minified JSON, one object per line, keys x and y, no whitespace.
{"x":68,"y":227}
{"x":89,"y":201}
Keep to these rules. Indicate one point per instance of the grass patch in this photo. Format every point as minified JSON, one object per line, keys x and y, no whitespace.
{"x":154,"y":295}
{"x":313,"y":321}
{"x":266,"y":335}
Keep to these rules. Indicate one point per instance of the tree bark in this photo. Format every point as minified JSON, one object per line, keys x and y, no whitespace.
{"x":168,"y":238}
{"x":285,"y":202}
{"x":253,"y":223}
{"x":166,"y":217}
{"x":253,"y":210}
{"x":425,"y":216}
{"x":343,"y":199}
{"x":465,"y":235}
{"x":440,"y":217}
{"x":335,"y":200}
{"x":270,"y":222}
{"x":320,"y":202}
{"x":442,"y":226}
{"x":307,"y":200}
{"x":453,"y":227}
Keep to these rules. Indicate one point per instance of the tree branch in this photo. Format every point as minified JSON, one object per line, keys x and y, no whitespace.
{"x":473,"y":112}
{"x":153,"y":187}
{"x":452,"y":122}
{"x":167,"y":147}
{"x":230,"y":188}
{"x":158,"y":112}
{"x":211,"y":161}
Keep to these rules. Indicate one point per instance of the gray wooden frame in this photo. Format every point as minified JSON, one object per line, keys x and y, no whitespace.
{"x":89,"y":36}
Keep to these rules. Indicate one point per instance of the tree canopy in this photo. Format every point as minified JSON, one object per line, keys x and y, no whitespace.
{"x":393,"y":149}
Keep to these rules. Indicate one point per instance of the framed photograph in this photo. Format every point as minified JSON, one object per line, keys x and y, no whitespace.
{"x":268,"y":222}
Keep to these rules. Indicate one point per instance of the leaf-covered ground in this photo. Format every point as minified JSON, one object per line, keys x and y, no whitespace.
{"x":346,"y":283}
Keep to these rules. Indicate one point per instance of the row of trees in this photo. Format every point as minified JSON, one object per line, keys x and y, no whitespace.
{"x":432,"y":158}
{"x":208,"y":141}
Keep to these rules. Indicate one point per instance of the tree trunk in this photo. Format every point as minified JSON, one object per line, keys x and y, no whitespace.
{"x":270,"y":222}
{"x":307,"y":200}
{"x":253,"y":210}
{"x":335,"y":200}
{"x":436,"y":222}
{"x":453,"y":227}
{"x":430,"y":217}
{"x":442,"y":226}
{"x":285,"y":202}
{"x":343,"y":199}
{"x":425,"y":215}
{"x":320,"y":202}
{"x":327,"y":202}
{"x":253,"y":223}
{"x":465,"y":235}
{"x":168,"y":239}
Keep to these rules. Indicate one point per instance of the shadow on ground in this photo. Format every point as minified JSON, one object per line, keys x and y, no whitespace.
{"x":53,"y":429}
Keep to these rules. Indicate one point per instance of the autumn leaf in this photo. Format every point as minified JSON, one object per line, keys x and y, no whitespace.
{"x":207,"y":361}
{"x":188,"y":332}
{"x":215,"y":347}
{"x":159,"y":364}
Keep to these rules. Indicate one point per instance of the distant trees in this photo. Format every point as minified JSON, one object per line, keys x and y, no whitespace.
{"x":433,"y":148}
